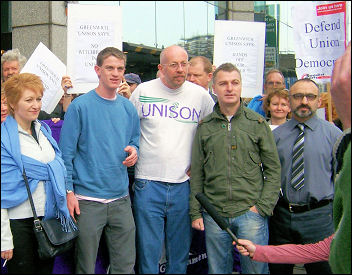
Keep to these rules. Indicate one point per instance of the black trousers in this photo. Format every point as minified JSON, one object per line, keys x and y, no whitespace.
{"x":25,"y":258}
{"x":302,"y":228}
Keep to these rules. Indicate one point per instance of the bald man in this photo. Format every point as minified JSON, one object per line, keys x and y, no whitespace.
{"x":169,"y":108}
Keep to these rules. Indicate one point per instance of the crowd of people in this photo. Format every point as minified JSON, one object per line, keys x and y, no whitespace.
{"x":131,"y":157}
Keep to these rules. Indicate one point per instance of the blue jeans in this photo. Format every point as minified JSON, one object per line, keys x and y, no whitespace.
{"x":250,"y":226}
{"x":162,"y":213}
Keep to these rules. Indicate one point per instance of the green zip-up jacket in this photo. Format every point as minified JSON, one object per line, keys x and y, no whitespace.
{"x":235,"y":164}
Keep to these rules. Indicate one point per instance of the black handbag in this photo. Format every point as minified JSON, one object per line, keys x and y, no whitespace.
{"x":52,"y":240}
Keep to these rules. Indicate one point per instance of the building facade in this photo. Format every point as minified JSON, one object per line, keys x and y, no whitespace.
{"x":150,"y":26}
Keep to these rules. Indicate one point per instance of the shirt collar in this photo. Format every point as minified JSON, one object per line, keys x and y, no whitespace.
{"x":36,"y":127}
{"x":311,"y":123}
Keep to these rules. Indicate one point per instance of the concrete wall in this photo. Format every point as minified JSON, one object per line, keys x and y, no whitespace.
{"x":39,"y":21}
{"x":241,"y":10}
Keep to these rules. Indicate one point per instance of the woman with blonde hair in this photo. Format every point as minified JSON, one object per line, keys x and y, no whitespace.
{"x":27,"y":144}
{"x":277,"y":107}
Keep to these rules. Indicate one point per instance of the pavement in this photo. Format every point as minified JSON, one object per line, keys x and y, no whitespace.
{"x":299,"y":269}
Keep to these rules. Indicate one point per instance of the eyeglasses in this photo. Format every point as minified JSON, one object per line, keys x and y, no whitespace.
{"x":175,"y":65}
{"x":310,"y":97}
{"x":271,"y":83}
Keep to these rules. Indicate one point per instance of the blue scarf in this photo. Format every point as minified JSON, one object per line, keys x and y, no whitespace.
{"x":13,"y":189}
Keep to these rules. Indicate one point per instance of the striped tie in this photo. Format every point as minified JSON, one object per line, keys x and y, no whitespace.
{"x":297,"y":178}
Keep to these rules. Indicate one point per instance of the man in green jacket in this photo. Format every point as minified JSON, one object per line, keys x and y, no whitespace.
{"x":236,"y":165}
{"x":340,"y":250}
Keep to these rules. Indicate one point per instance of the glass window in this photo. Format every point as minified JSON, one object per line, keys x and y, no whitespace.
{"x":159,"y":24}
{"x":163,"y":23}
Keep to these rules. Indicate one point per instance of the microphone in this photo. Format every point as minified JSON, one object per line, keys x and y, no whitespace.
{"x":221,"y":222}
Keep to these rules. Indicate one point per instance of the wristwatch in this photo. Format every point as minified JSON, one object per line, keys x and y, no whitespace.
{"x":68,"y":191}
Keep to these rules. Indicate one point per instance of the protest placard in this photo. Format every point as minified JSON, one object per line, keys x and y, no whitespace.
{"x":50,"y":69}
{"x":242,"y":43}
{"x":90,"y":29}
{"x":319,"y":31}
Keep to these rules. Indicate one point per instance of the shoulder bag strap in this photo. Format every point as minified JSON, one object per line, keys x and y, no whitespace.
{"x":36,"y":220}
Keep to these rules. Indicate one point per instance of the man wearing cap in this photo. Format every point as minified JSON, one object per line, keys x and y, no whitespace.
{"x":133,"y":80}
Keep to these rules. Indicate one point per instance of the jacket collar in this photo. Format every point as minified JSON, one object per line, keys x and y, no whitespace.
{"x":219,"y":115}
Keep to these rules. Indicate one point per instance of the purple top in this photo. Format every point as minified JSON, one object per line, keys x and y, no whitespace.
{"x":55,"y":128}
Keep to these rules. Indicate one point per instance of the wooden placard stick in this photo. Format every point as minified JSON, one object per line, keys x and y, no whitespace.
{"x":328,"y":85}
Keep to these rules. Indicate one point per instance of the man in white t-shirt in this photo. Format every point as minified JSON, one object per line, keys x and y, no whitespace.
{"x":169,"y":108}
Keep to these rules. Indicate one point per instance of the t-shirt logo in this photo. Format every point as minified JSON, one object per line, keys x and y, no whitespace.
{"x":162,"y":107}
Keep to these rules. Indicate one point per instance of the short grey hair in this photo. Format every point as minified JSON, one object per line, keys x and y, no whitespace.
{"x":308,"y":80}
{"x":274,"y":71}
{"x":13,"y":55}
{"x":226,"y":67}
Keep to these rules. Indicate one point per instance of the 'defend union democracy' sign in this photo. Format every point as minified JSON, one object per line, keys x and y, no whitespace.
{"x":319,"y":29}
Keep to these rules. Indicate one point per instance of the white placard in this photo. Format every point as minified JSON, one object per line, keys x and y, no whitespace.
{"x":242,"y":43}
{"x":90,"y":29}
{"x":50,"y":69}
{"x":319,"y":34}
{"x":321,"y":113}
